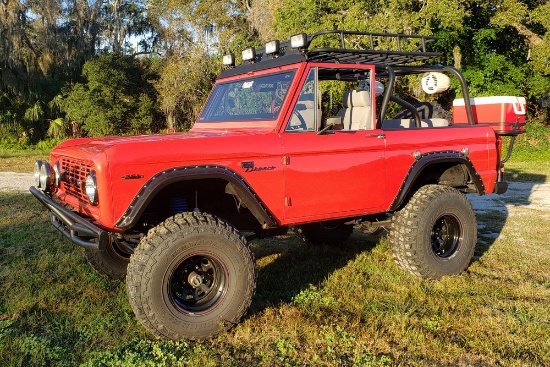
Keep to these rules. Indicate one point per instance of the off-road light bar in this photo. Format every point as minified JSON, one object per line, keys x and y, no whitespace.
{"x":298,"y":40}
{"x":272,"y":47}
{"x":229,"y":60}
{"x":249,"y":54}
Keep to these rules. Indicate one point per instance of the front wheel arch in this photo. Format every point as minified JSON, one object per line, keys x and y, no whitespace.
{"x":163,"y":179}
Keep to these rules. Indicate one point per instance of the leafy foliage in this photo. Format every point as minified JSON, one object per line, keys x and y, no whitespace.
{"x":116,"y":97}
{"x":183,"y":87}
{"x":503,"y":47}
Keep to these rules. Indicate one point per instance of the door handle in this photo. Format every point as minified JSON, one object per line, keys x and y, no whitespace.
{"x":379,"y":136}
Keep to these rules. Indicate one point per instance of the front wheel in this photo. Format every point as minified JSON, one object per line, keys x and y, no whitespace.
{"x":191,"y":277}
{"x":435,"y":234}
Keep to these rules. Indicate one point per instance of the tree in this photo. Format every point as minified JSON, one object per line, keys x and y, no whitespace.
{"x":44,"y":45}
{"x":191,"y":35}
{"x":183,"y":87}
{"x":116,"y":97}
{"x":121,"y":19}
{"x":502,"y":46}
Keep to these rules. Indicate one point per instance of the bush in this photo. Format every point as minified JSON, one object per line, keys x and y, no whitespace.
{"x":115,"y":99}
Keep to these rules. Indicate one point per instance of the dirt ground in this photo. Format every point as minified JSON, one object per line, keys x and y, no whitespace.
{"x":16,"y":182}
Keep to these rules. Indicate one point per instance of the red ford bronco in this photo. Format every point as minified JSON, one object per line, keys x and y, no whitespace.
{"x":307,"y":134}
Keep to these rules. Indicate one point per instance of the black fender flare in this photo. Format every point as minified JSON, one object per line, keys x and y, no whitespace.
{"x":427,"y":160}
{"x":162,"y":179}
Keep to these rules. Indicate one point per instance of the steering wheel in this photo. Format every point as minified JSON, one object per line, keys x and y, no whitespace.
{"x":302,"y":126}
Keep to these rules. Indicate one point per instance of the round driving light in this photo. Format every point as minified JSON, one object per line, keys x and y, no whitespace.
{"x":37,"y":166}
{"x":58,"y":174}
{"x":45,"y":176}
{"x":91,"y":188}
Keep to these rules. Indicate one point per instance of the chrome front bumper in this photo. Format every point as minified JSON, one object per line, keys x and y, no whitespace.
{"x":76,"y":228}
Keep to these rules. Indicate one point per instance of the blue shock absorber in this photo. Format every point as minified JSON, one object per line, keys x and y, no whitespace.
{"x":178,"y":205}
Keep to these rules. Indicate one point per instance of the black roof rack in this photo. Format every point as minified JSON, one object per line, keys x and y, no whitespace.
{"x":372,"y":48}
{"x":349,"y":47}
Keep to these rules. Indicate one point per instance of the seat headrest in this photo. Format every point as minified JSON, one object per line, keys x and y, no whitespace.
{"x":357,"y":98}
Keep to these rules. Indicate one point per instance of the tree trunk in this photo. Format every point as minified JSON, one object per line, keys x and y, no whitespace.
{"x":457,"y":55}
{"x":170,"y":120}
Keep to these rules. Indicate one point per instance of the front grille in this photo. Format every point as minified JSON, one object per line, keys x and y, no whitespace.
{"x":74,"y":177}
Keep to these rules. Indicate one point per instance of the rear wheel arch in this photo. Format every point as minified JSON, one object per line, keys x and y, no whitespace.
{"x":453,"y":169}
{"x":155,"y":186}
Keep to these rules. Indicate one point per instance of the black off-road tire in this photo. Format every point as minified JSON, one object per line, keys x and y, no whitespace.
{"x":328,"y":233}
{"x":435,"y":234}
{"x":112,"y":261}
{"x":192,"y":277}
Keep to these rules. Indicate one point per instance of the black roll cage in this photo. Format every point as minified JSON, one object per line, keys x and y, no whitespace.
{"x":391,"y":72}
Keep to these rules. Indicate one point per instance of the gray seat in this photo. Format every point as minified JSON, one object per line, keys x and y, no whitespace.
{"x":357,"y":111}
{"x":409,"y":123}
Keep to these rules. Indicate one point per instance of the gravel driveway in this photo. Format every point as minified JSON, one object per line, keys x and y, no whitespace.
{"x":18,"y":182}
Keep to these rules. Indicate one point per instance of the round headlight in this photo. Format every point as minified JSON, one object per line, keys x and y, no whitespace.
{"x":91,"y":188}
{"x":58,"y":173}
{"x":45,"y":176}
{"x":37,"y":167}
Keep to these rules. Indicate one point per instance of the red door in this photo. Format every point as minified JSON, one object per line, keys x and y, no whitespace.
{"x":333,"y":175}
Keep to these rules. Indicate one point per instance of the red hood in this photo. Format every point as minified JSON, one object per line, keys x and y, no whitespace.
{"x":208,"y":144}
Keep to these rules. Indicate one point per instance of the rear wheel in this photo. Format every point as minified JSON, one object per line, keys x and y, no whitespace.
{"x":112,"y":261}
{"x":435,"y":234}
{"x":192,"y":277}
{"x":329,"y":232}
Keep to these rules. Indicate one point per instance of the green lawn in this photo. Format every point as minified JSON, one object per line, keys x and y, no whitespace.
{"x":314,"y":305}
{"x":20,"y":160}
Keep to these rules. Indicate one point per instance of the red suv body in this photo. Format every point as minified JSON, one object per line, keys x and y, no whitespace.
{"x":294,"y":138}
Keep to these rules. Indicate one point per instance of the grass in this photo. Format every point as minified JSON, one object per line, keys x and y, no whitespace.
{"x":321,"y":306}
{"x":14,"y":160}
{"x":315,"y":306}
{"x":530,"y":160}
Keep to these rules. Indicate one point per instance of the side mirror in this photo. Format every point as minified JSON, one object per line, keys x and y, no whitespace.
{"x":333,"y":123}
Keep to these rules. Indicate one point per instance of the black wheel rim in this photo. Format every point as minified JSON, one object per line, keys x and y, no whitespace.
{"x":197,"y":284}
{"x":446,"y":236}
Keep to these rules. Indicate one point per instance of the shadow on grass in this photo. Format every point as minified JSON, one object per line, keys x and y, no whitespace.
{"x":287,"y":265}
{"x":514,"y":174}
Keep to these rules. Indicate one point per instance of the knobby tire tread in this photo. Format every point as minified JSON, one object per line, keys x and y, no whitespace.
{"x":107,"y":264}
{"x":405,"y":229}
{"x":181,"y":224}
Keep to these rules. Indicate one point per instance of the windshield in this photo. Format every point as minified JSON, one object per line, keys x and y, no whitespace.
{"x":257,"y":98}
